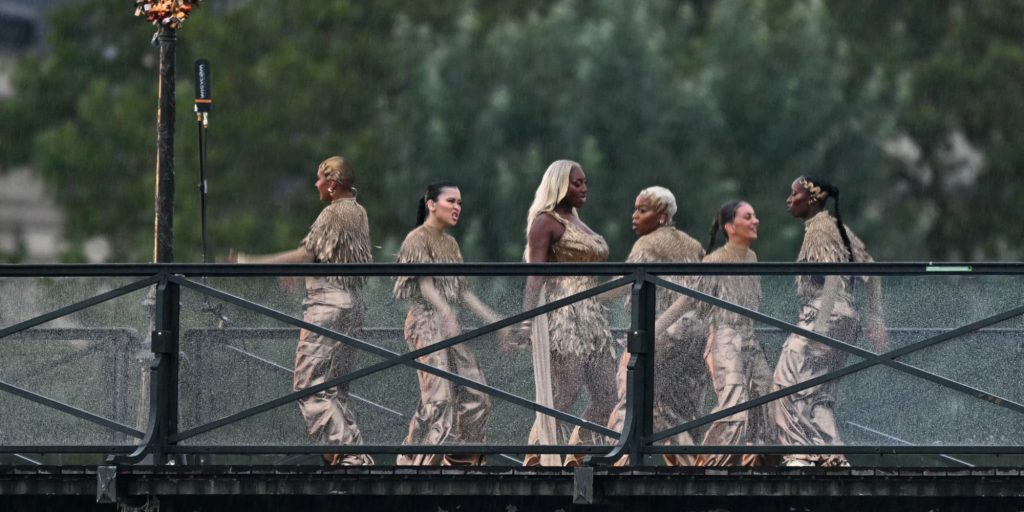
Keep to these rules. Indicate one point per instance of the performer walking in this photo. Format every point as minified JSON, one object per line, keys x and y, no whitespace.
{"x":447,"y":412}
{"x":340,"y":234}
{"x":806,"y":418}
{"x":572,"y":346}
{"x":734,"y":356}
{"x":680,"y":380}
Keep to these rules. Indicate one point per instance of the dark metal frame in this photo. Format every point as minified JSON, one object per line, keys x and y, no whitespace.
{"x":162,"y":438}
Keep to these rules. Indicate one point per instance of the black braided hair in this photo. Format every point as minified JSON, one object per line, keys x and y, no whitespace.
{"x":833,"y":192}
{"x":433,"y":192}
{"x":726,"y":214}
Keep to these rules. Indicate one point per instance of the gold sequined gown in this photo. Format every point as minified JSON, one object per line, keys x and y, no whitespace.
{"x":806,"y":418}
{"x":340,"y":234}
{"x":680,"y":379}
{"x":447,"y":413}
{"x":582,"y":352}
{"x":736,"y":360}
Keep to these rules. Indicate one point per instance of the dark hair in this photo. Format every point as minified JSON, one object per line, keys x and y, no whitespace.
{"x":726,"y":214}
{"x":433,"y":192}
{"x":833,"y":192}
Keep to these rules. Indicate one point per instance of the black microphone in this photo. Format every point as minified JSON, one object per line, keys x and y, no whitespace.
{"x":203,"y":98}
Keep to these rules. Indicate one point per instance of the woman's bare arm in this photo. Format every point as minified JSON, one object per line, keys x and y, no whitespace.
{"x":299,"y":255}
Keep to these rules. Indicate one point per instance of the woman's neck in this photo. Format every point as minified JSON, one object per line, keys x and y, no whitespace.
{"x":563,"y":209}
{"x":739,"y":242}
{"x":812,"y":211}
{"x":433,"y":224}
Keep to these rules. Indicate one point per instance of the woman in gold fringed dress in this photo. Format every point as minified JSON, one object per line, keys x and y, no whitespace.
{"x":572,"y":346}
{"x":734,"y":356}
{"x":806,"y":418}
{"x":448,"y":413}
{"x":341,"y":234}
{"x":680,"y":379}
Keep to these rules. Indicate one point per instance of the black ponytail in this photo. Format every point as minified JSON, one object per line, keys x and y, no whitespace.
{"x":433,"y":192}
{"x":726,"y":214}
{"x":833,"y":192}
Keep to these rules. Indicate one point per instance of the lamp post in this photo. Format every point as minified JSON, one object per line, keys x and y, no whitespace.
{"x":163,"y":239}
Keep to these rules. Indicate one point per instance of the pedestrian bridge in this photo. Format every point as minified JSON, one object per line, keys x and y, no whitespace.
{"x":170,"y":385}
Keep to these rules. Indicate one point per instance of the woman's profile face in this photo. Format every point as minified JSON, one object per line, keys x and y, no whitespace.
{"x":799,"y":201}
{"x":744,"y":226}
{"x":448,"y":206}
{"x":576,"y":195}
{"x":323,"y":185}
{"x":646,"y":218}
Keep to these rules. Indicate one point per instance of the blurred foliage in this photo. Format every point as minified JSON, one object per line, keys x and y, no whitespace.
{"x":715,"y":99}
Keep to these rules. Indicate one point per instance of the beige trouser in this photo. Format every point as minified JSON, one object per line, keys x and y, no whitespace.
{"x":739,"y":373}
{"x":447,"y":412}
{"x":328,"y":416}
{"x":570,"y":374}
{"x":680,"y":383}
{"x":806,"y":418}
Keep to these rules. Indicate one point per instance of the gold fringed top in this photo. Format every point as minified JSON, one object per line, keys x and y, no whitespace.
{"x":667,"y":245}
{"x":341,"y":234}
{"x":579,"y":329}
{"x":428,"y":245}
{"x":823,"y":244}
{"x":743,"y":291}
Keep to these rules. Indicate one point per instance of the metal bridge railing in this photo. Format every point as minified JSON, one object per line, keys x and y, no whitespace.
{"x":162,"y":438}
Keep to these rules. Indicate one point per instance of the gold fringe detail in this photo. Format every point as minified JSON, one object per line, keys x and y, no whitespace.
{"x":579,"y":329}
{"x":667,"y":245}
{"x":740,"y":290}
{"x":823,"y":244}
{"x":341,"y":234}
{"x":425,"y":245}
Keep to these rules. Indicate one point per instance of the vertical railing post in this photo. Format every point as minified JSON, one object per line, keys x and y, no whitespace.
{"x":165,"y":351}
{"x":640,"y":371}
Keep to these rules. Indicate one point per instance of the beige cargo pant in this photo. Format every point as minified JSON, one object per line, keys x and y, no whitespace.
{"x":329,"y":417}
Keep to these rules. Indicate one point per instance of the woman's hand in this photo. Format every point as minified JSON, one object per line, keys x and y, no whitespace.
{"x":517,"y":338}
{"x":451,"y":325}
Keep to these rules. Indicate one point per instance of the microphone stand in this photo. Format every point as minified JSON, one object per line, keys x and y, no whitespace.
{"x":202,"y":123}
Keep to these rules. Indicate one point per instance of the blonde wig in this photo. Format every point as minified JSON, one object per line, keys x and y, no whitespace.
{"x":662,"y":200}
{"x":553,"y":187}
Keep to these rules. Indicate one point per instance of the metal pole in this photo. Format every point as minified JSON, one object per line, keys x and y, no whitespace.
{"x":163,"y":239}
{"x":641,"y":344}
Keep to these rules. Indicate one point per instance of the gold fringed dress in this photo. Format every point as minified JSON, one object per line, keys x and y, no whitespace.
{"x":448,"y":413}
{"x":806,"y":418}
{"x":340,"y":234}
{"x":736,"y":360}
{"x":582,"y":352}
{"x":680,"y":379}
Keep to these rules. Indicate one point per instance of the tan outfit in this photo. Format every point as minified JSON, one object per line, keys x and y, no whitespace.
{"x":739,"y":369}
{"x":448,"y":413}
{"x":806,"y":418}
{"x":679,"y":377}
{"x":340,"y":234}
{"x":582,"y":351}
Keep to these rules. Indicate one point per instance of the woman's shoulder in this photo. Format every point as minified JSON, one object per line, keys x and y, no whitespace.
{"x":666,"y":244}
{"x":823,"y":243}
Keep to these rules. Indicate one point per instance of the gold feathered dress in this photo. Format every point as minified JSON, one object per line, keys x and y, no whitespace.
{"x":448,"y":413}
{"x":340,"y":234}
{"x":680,"y":379}
{"x":806,"y":418}
{"x":736,"y":360}
{"x":581,"y":345}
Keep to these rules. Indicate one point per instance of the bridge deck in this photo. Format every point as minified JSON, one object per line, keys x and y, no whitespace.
{"x":579,"y":486}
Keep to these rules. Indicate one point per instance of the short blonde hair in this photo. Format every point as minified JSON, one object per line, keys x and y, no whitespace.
{"x":338,"y":169}
{"x":661,"y":199}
